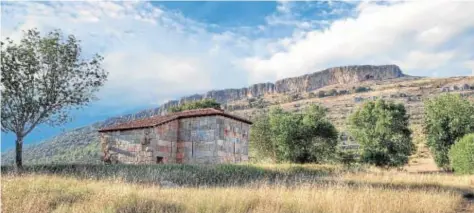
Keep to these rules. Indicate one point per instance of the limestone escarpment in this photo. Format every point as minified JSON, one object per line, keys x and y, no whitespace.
{"x":304,"y":83}
{"x":337,"y":75}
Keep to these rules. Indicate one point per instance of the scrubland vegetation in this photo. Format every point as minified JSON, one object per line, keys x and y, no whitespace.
{"x":308,"y":173}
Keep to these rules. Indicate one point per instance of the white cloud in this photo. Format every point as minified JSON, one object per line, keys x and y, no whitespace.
{"x":152,"y":76}
{"x":421,"y":36}
{"x":150,"y":54}
{"x":153,"y":54}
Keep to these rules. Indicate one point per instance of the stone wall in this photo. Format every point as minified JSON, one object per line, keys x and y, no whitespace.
{"x":232,"y":143}
{"x":143,"y":146}
{"x":166,"y":146}
{"x":208,"y":140}
{"x":197,"y":140}
{"x":127,"y":146}
{"x":212,"y":139}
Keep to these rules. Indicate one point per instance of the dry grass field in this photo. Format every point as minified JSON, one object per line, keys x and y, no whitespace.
{"x":341,"y":191}
{"x":418,"y":187}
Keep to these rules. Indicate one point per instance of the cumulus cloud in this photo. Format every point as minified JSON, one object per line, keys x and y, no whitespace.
{"x":153,"y":54}
{"x":422,"y":37}
{"x":150,"y":54}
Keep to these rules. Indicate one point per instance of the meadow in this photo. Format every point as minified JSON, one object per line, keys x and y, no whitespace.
{"x":232,"y":188}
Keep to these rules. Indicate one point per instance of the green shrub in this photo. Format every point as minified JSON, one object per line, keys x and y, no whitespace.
{"x":347,"y":157}
{"x":201,"y":104}
{"x":332,"y":92}
{"x":294,"y":137}
{"x":461,"y":155}
{"x":381,"y":129}
{"x":362,"y":89}
{"x":447,"y":119}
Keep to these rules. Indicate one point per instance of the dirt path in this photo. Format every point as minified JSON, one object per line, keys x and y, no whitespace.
{"x":427,"y":164}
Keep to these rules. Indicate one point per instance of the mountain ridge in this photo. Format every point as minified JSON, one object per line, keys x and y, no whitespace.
{"x":310,"y":82}
{"x":86,"y":135}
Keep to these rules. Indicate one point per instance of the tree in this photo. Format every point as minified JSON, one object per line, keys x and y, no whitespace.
{"x":201,"y":104}
{"x":42,"y":79}
{"x":261,"y":139}
{"x":294,"y":137}
{"x":461,"y":155}
{"x":447,"y":118}
{"x":381,"y":129}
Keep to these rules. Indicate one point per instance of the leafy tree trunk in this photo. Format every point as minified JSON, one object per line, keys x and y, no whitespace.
{"x":18,"y":151}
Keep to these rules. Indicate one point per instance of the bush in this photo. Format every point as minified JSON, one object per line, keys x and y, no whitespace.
{"x":381,"y":129}
{"x":321,"y":94}
{"x":294,"y":137}
{"x":201,"y":104}
{"x":347,"y":157}
{"x":461,"y":155}
{"x":260,"y":138}
{"x":332,"y":92}
{"x":361,"y":89}
{"x":447,"y":118}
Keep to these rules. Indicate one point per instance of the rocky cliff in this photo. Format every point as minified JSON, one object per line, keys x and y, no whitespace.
{"x":305,"y":83}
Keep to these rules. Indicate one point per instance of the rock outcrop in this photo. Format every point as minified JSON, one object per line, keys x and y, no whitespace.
{"x":305,"y":83}
{"x":337,"y":75}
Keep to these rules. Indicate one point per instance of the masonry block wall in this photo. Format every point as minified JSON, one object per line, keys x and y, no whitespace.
{"x":206,"y":139}
{"x":212,"y":139}
{"x":126,"y":146}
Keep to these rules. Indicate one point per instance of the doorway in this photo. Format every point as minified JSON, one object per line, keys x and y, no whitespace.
{"x":159,"y":160}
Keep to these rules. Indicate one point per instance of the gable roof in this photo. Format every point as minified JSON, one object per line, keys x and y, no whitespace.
{"x":158,"y":120}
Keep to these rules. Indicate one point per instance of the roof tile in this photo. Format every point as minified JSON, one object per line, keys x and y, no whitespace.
{"x":157,"y":120}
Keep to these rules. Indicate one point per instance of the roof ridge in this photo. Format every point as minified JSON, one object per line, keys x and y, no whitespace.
{"x":158,"y":120}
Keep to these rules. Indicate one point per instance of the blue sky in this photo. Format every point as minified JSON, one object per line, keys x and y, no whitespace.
{"x":157,"y":51}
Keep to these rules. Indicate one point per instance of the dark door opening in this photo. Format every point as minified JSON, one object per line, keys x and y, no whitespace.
{"x":159,"y":160}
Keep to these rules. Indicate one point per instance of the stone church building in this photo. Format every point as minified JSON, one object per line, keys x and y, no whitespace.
{"x":193,"y":136}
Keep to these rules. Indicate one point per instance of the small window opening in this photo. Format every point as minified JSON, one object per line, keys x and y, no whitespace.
{"x":159,"y":160}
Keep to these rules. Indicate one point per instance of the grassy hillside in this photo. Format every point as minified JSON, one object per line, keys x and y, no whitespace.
{"x":232,"y":188}
{"x":81,"y":145}
{"x":78,"y":146}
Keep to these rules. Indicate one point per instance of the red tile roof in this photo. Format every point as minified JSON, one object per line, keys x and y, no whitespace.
{"x":158,"y":120}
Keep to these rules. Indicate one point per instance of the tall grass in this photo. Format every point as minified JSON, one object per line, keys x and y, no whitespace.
{"x":46,"y":193}
{"x":229,"y":188}
{"x":188,"y":175}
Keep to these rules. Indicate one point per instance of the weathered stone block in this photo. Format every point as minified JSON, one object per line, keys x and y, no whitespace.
{"x":210,"y":139}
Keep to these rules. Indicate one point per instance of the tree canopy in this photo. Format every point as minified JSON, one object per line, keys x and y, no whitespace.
{"x":447,"y":118}
{"x":43,"y":77}
{"x":381,"y":129}
{"x":461,"y":155}
{"x":201,"y":104}
{"x":294,"y":137}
